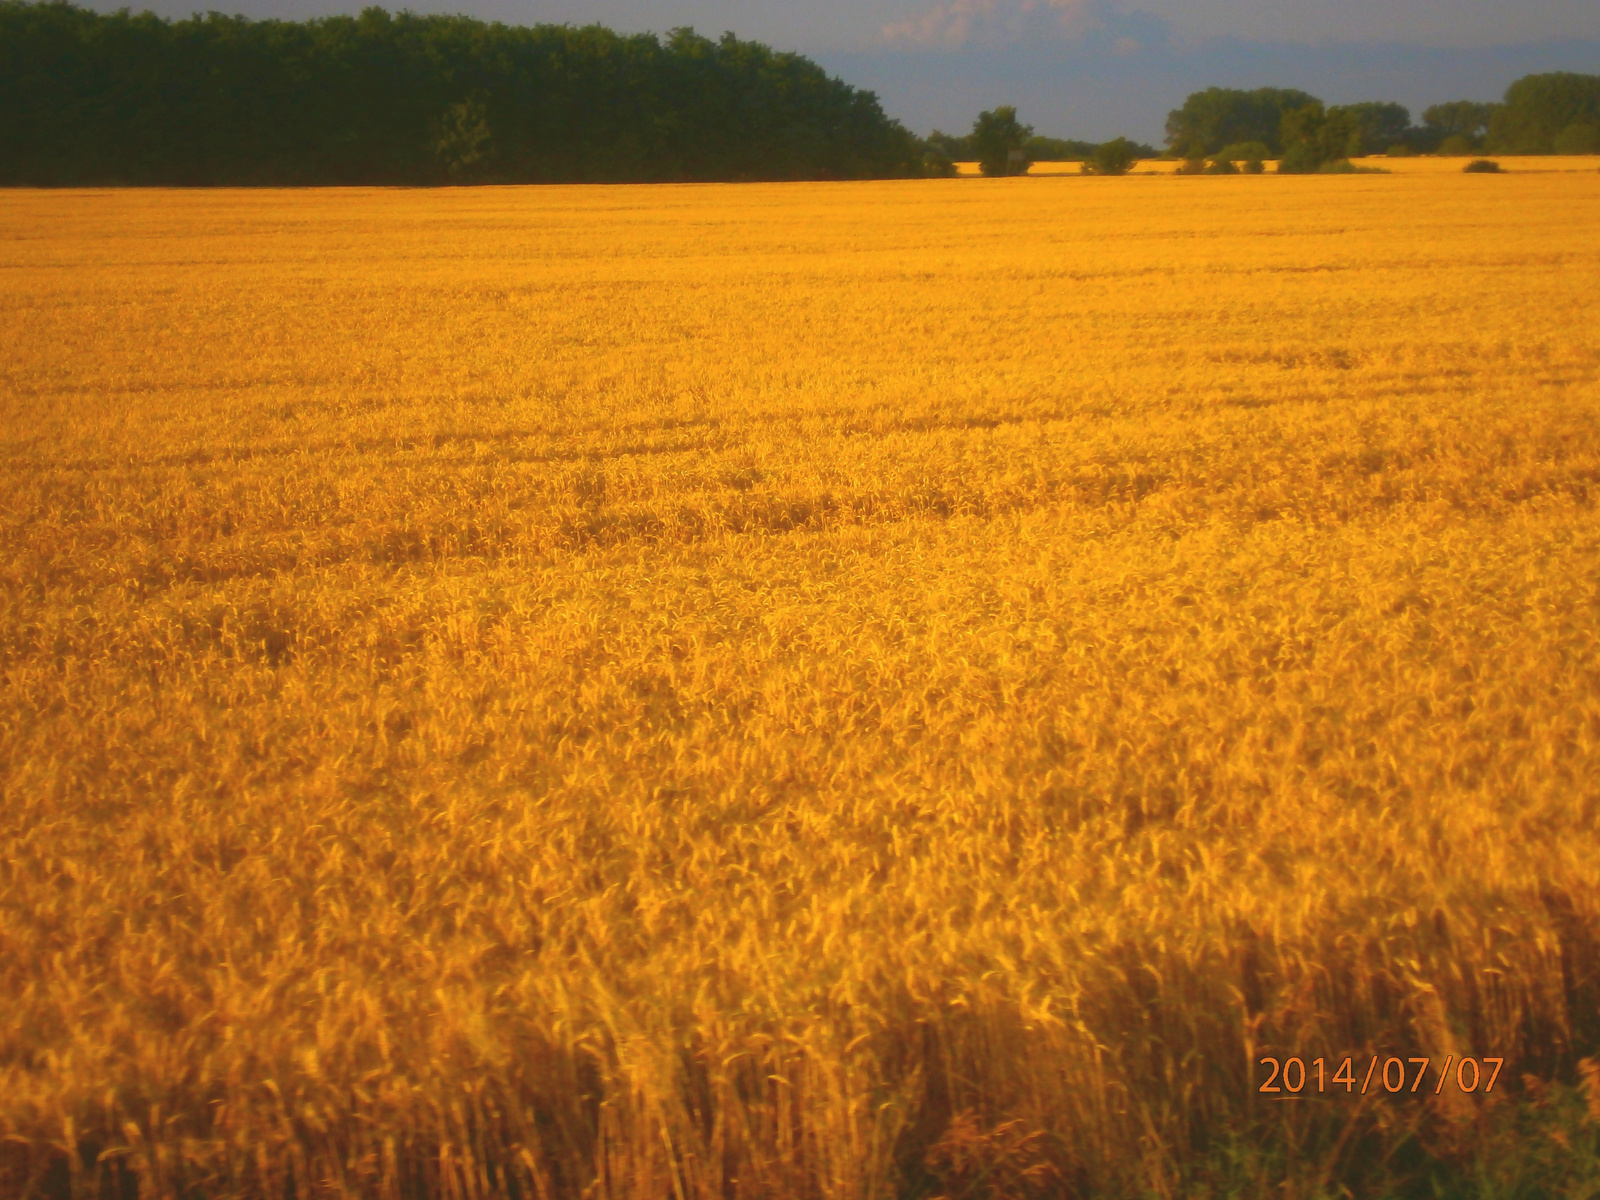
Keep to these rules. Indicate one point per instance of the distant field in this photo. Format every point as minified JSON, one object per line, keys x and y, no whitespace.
{"x":1419,"y":165}
{"x":840,"y":690}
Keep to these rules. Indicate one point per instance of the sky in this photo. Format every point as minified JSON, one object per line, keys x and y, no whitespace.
{"x":1088,"y":68}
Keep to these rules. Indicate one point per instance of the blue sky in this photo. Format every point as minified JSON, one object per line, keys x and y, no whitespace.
{"x":1092,"y":68}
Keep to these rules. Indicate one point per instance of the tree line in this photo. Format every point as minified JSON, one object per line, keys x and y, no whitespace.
{"x":1000,"y":131}
{"x":1554,"y":113}
{"x":1218,"y":129}
{"x":88,"y":98}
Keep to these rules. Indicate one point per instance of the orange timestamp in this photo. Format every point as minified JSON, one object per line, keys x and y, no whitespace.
{"x":1291,"y":1078}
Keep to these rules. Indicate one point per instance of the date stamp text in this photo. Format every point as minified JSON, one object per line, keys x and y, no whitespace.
{"x":1295,"y":1078}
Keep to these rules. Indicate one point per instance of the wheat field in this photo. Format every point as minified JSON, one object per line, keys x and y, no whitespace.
{"x":800,"y":691}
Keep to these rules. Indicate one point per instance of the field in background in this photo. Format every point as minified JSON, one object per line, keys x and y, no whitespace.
{"x":843,"y":690}
{"x":1418,"y":165}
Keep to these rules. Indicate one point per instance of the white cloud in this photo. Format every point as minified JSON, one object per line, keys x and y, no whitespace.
{"x":957,"y":23}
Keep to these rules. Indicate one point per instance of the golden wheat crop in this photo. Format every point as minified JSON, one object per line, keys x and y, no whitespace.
{"x":791,"y":691}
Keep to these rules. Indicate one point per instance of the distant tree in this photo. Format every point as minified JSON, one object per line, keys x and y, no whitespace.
{"x":998,"y":139}
{"x":936,"y":161}
{"x":1217,"y":116}
{"x":1381,"y":124}
{"x":1458,"y":118}
{"x":1457,"y":145}
{"x":1111,"y":158}
{"x":1050,"y":149}
{"x":1482,"y":166}
{"x":1539,"y":109}
{"x":1315,"y":138}
{"x":957,"y":149}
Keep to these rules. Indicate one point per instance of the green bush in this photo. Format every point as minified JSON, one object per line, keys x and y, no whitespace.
{"x":1399,"y":150}
{"x":1111,"y":158}
{"x":1299,"y":159}
{"x":1252,"y":154}
{"x":1482,"y":166}
{"x":1303,"y":164}
{"x":1457,"y":145}
{"x":1194,"y":159}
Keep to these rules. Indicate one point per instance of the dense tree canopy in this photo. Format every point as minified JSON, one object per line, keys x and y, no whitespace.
{"x":1313,"y":137}
{"x":1557,"y":112}
{"x":1456,"y":118}
{"x":92,"y":99}
{"x":1378,"y":124}
{"x":1218,"y":117}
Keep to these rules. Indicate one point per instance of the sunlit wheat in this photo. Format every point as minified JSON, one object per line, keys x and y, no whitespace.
{"x":786,"y":691}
